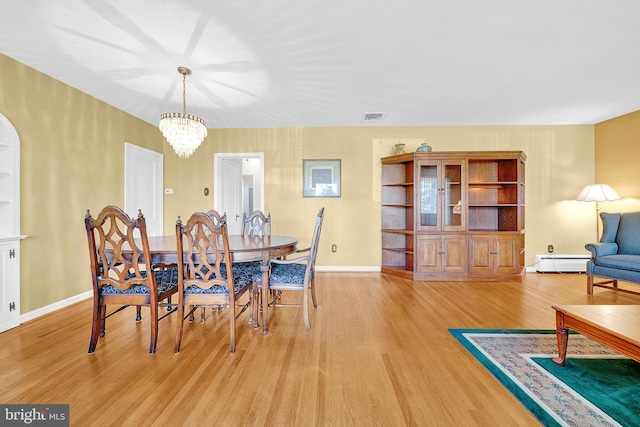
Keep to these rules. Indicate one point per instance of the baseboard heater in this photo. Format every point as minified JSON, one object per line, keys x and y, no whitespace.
{"x":561,"y":263}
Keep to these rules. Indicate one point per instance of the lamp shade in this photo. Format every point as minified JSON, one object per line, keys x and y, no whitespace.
{"x":597,"y":193}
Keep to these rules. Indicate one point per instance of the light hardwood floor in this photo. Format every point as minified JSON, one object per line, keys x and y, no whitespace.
{"x":379,"y":353}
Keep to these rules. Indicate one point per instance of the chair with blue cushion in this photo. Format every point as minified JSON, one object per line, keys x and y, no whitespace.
{"x":124,"y":279}
{"x":617,"y":255}
{"x":207,"y":277}
{"x":256,"y":224}
{"x":296,"y":274}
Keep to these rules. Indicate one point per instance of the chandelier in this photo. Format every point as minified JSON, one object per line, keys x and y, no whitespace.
{"x":183,"y":131}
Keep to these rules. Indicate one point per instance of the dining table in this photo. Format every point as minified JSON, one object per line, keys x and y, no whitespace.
{"x":243,"y":249}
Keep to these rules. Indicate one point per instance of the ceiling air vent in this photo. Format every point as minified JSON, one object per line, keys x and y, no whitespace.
{"x":373,"y":117}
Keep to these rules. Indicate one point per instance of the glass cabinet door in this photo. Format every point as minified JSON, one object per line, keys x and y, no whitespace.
{"x":441,"y":196}
{"x":452,"y":196}
{"x":429,"y":192}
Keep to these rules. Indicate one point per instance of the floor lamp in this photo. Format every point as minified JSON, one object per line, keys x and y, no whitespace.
{"x":597,"y":193}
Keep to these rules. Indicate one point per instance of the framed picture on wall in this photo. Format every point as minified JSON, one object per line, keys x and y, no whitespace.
{"x":321,"y":178}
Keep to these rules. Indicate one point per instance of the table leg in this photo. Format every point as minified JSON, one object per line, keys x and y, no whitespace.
{"x":264,"y":268}
{"x":562,"y":336}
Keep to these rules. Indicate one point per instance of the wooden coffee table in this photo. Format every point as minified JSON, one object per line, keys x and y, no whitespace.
{"x":616,"y":326}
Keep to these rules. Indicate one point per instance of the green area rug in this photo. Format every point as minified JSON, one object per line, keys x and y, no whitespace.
{"x":596,"y":387}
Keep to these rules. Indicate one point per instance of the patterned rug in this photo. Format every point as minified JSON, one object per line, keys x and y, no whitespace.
{"x":578,"y":394}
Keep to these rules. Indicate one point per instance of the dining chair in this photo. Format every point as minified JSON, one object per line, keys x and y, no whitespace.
{"x":256,"y":224}
{"x":296,"y":274}
{"x":216,"y":217}
{"x":125,"y":280}
{"x":207,"y":277}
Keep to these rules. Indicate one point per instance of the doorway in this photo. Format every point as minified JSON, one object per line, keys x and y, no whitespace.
{"x":238,"y":186}
{"x":143,"y":182}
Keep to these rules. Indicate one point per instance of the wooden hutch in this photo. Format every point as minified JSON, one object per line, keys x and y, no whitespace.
{"x":456,"y":215}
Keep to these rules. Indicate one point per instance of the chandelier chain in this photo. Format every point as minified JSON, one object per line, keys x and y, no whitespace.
{"x":184,"y":93}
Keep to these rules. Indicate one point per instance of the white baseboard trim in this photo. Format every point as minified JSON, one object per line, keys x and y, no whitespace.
{"x":347,"y":268}
{"x":55,"y":306}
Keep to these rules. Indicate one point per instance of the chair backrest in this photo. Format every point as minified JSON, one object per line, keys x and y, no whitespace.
{"x":256,"y":224}
{"x":111,"y":232}
{"x":315,"y":241}
{"x":203,"y":251}
{"x":628,"y":233}
{"x":216,"y":217}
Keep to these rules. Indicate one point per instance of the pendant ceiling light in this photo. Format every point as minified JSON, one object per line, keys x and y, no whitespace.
{"x":183,"y":131}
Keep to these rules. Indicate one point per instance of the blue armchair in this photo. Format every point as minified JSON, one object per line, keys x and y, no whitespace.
{"x":617,"y":255}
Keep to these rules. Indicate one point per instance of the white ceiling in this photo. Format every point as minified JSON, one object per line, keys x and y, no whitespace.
{"x":280,"y":63}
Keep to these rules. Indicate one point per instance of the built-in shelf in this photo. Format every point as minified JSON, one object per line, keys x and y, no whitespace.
{"x":445,"y":215}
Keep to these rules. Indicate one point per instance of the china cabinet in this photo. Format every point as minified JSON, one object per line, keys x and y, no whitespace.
{"x":455,"y":215}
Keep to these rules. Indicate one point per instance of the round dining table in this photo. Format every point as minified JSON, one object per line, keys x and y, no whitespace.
{"x":243,"y":249}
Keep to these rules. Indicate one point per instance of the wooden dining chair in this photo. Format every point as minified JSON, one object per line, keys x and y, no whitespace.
{"x":216,"y":217}
{"x":296,"y":274}
{"x":125,"y":280}
{"x":207,"y":277}
{"x":256,"y":224}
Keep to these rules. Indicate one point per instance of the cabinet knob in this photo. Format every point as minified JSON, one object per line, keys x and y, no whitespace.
{"x":494,"y":253}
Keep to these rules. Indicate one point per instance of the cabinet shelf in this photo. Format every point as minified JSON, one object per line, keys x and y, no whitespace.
{"x":451,"y":216}
{"x":403,"y":250}
{"x":399,"y":184}
{"x":397,"y":231}
{"x":497,"y":184}
{"x":493,"y":205}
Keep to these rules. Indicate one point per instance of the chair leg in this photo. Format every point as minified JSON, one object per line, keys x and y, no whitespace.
{"x":255,"y":304}
{"x":305,"y":307}
{"x":313,"y":292}
{"x":153,"y":314}
{"x":103,"y":319}
{"x":96,"y":328}
{"x":138,"y":313}
{"x":176,"y":349}
{"x":232,"y":327}
{"x":203,"y":310}
{"x":590,"y":285}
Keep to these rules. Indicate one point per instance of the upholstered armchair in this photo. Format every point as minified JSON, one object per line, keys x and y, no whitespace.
{"x":617,"y":255}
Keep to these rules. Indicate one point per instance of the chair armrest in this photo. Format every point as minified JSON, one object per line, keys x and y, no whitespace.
{"x":601,"y":249}
{"x":290,"y":261}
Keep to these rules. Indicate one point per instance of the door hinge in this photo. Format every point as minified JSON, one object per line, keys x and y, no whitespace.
{"x":12,"y":253}
{"x":12,"y":306}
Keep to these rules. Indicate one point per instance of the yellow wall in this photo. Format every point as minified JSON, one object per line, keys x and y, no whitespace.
{"x":72,"y":148}
{"x":617,"y":150}
{"x":71,"y":159}
{"x":559,"y":164}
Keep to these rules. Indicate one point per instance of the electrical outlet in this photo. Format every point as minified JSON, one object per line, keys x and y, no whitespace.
{"x":550,"y":249}
{"x":334,"y":248}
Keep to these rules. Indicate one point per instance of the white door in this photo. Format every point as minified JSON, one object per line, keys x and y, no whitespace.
{"x":232,"y":194}
{"x":228,"y":185}
{"x":143,"y":182}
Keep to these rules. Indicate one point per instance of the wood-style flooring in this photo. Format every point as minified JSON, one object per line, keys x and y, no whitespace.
{"x":379,"y":354}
